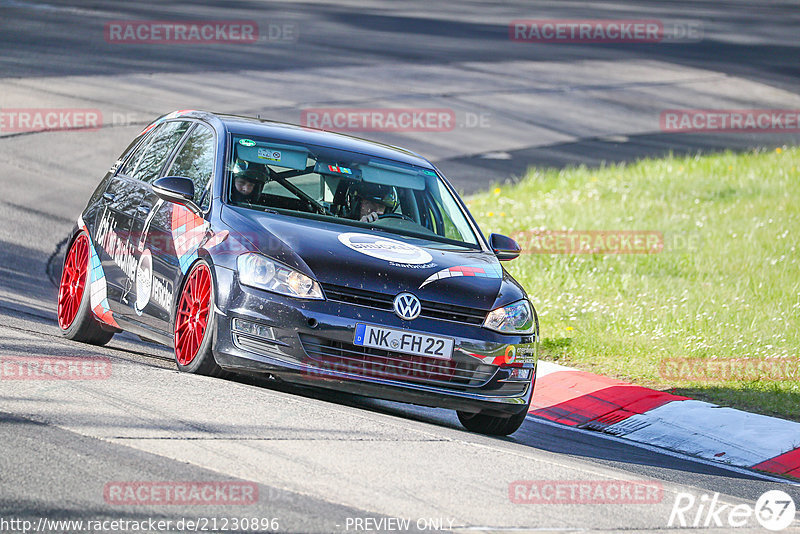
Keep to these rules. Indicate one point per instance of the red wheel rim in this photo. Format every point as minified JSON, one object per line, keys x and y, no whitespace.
{"x":192,"y":316}
{"x":73,"y":281}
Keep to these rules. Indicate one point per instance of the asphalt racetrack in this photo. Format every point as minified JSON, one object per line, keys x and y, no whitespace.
{"x":326,"y":462}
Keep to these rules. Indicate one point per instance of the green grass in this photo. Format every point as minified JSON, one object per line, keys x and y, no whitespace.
{"x":726,"y":285}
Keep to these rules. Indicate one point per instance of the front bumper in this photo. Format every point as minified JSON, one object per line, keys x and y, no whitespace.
{"x":310,"y":342}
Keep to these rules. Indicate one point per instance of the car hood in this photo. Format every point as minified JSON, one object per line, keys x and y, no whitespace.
{"x":358,"y":258}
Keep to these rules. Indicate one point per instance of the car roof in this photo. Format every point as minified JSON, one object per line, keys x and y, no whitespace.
{"x":293,"y":133}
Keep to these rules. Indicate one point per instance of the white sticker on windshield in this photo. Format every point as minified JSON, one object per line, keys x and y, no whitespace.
{"x":266,"y":153}
{"x":384,"y":248}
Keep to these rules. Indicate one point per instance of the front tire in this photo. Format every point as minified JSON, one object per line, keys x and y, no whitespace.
{"x":491,"y":424}
{"x":75,"y":317}
{"x":194,"y":324}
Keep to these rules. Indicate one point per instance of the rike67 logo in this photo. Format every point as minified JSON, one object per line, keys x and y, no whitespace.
{"x":774,"y":510}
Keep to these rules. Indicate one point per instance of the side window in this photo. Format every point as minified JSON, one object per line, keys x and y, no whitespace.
{"x":145,"y":164}
{"x":195,"y":161}
{"x":136,"y":156}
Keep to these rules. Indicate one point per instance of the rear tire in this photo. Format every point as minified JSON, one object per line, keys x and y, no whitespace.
{"x":195,"y":324}
{"x":75,"y":317}
{"x":491,"y":424}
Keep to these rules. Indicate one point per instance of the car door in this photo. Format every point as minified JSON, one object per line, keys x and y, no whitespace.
{"x":123,"y":198}
{"x":169,"y":234}
{"x":111,"y":228}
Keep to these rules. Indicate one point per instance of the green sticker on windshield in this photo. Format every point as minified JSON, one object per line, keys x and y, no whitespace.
{"x":429,"y":173}
{"x":247,"y":142}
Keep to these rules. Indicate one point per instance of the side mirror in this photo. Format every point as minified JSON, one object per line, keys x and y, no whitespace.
{"x":504,"y":247}
{"x":176,"y":189}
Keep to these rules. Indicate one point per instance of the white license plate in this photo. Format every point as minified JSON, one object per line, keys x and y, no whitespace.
{"x":403,"y":341}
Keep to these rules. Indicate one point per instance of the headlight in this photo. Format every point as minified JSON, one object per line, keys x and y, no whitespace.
{"x":516,"y":318}
{"x":258,"y":271}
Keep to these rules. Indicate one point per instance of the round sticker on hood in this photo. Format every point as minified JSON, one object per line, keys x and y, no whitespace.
{"x":385,"y":249}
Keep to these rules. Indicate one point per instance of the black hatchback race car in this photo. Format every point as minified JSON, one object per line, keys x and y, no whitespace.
{"x":314,"y":257}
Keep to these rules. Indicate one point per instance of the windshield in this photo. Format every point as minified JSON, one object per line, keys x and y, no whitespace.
{"x":352,"y":188}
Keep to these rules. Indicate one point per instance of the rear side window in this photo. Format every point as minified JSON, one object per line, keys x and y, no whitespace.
{"x":146,"y":162}
{"x":195,"y":161}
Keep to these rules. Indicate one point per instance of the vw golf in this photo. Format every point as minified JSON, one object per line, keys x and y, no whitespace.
{"x":321,"y":259}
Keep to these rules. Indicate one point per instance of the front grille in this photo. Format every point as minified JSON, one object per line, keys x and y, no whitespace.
{"x":378,"y":363}
{"x":380,"y":301}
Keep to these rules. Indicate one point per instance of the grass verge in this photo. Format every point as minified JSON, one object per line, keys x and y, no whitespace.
{"x":713,"y":315}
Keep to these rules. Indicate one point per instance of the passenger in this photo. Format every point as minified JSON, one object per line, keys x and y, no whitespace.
{"x":247,"y":183}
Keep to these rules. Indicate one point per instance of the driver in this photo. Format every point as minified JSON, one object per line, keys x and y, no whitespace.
{"x":369,"y":201}
{"x":247,"y":182}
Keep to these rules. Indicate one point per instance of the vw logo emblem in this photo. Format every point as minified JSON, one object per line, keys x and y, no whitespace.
{"x":407,"y":306}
